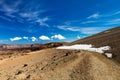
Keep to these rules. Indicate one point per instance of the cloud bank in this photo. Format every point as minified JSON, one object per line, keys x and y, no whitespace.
{"x":42,"y":37}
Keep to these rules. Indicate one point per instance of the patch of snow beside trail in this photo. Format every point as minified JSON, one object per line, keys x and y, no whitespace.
{"x":87,"y":47}
{"x":109,"y":55}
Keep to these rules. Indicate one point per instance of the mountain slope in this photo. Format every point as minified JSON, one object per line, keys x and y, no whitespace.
{"x":109,"y":37}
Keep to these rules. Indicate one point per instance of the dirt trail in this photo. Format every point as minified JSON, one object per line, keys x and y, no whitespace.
{"x":52,"y":64}
{"x":96,"y":67}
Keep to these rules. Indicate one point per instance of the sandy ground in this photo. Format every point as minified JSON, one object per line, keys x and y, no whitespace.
{"x":12,"y":53}
{"x":52,"y":64}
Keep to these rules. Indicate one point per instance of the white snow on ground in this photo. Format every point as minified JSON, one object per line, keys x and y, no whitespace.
{"x":87,"y":47}
{"x":109,"y":55}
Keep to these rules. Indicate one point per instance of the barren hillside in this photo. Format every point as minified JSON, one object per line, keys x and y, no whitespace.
{"x":109,"y":37}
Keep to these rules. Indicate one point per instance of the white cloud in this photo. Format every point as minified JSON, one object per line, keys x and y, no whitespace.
{"x":25,"y":37}
{"x":34,"y":17}
{"x":110,"y":14}
{"x":68,"y":28}
{"x":26,"y":15}
{"x":90,"y":30}
{"x":78,"y":37}
{"x":9,"y":10}
{"x":15,"y":38}
{"x":96,"y":15}
{"x":5,"y":18}
{"x":44,"y":37}
{"x":30,"y":15}
{"x":118,"y":12}
{"x":87,"y":22}
{"x":100,"y":19}
{"x":83,"y":30}
{"x":58,"y":36}
{"x":34,"y":39}
{"x":114,"y":21}
{"x":42,"y":21}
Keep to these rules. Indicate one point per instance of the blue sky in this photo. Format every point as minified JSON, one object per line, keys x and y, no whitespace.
{"x":41,"y":21}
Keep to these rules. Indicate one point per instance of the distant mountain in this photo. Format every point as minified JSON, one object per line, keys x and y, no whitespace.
{"x":32,"y":47}
{"x":109,"y":37}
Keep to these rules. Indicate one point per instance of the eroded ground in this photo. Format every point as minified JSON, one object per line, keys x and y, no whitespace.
{"x":53,"y":64}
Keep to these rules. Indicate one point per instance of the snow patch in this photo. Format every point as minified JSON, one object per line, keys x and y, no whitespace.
{"x":88,"y":47}
{"x":109,"y":55}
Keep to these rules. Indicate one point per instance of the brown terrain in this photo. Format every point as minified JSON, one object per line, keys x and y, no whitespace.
{"x":109,"y":37}
{"x":52,"y":64}
{"x":49,"y":63}
{"x":8,"y":51}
